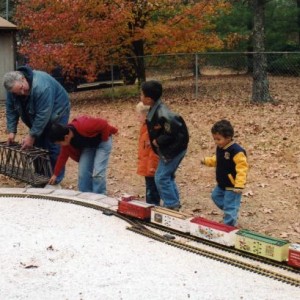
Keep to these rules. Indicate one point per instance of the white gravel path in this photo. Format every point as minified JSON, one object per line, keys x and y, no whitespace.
{"x":52,"y":250}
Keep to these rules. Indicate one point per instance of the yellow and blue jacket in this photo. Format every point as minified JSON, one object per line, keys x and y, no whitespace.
{"x":231,"y":166}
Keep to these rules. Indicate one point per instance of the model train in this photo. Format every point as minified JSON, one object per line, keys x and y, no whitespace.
{"x":242,"y":239}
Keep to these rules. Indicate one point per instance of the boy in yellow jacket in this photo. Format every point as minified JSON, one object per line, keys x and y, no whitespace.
{"x":231,"y":165}
{"x":147,"y":158}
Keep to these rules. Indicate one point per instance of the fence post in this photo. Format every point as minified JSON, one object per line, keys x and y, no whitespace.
{"x":112,"y":81}
{"x":196,"y":75}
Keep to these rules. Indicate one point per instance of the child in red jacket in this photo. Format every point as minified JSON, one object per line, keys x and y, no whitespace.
{"x":147,"y":158}
{"x":88,"y":141}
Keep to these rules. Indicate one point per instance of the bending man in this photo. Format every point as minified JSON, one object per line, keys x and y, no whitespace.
{"x":39,"y":100}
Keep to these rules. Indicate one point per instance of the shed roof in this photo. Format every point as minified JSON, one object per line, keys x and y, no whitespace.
{"x":6,"y":25}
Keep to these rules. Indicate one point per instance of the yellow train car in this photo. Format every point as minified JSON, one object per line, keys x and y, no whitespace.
{"x":262,"y":245}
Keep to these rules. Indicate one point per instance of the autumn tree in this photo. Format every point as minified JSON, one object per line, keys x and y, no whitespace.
{"x":75,"y":34}
{"x":90,"y":34}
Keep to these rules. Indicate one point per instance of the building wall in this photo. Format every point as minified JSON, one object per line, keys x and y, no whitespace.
{"x":7,"y":57}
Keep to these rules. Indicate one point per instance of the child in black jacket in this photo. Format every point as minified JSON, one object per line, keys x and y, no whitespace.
{"x":169,"y":139}
{"x":231,"y":171}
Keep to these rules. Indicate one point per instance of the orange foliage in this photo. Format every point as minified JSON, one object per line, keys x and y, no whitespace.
{"x":91,"y":34}
{"x":192,"y":30}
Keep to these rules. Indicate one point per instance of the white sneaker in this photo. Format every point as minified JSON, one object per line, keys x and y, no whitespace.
{"x":52,"y":186}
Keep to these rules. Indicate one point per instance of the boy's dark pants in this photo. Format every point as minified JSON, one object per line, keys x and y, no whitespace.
{"x":152,"y":195}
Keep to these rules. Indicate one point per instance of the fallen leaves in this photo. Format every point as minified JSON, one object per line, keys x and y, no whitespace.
{"x":294,"y":176}
{"x":284,"y":235}
{"x":213,"y":213}
{"x":263,"y":185}
{"x":29,"y":265}
{"x":269,"y":134}
{"x":248,"y":213}
{"x":248,"y":193}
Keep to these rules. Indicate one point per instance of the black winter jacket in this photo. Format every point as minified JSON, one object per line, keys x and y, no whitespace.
{"x":168,"y":129}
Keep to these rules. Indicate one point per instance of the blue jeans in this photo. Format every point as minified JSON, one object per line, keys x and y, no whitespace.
{"x":92,"y":168}
{"x":165,"y":180}
{"x":152,"y":194}
{"x":229,"y":202}
{"x":54,"y":149}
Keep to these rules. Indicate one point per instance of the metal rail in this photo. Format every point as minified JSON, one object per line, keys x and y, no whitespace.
{"x":218,"y":257}
{"x":224,"y":248}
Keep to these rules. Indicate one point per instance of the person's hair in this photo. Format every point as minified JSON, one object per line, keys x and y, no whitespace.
{"x":141,"y":108}
{"x":152,"y":89}
{"x":224,"y":128}
{"x":57,"y":132}
{"x":11,"y":78}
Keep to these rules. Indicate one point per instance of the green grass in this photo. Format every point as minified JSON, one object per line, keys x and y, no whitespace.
{"x":124,"y":91}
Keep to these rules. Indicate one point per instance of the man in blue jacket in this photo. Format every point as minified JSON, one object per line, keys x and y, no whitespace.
{"x":39,"y":100}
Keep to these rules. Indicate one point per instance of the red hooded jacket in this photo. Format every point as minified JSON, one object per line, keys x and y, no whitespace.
{"x":87,"y":127}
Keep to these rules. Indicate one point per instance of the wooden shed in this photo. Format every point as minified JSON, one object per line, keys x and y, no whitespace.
{"x":7,"y":51}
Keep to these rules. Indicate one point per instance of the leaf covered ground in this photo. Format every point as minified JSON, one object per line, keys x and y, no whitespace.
{"x":269,"y":133}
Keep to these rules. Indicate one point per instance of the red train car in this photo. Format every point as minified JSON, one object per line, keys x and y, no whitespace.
{"x":135,"y":208}
{"x":294,"y":255}
{"x":213,"y":231}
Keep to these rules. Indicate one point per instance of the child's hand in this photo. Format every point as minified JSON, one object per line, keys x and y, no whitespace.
{"x":155,"y":143}
{"x":52,"y":179}
{"x":238,"y":191}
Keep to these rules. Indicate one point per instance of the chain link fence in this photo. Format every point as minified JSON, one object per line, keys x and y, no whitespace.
{"x":201,"y":68}
{"x":208,"y":75}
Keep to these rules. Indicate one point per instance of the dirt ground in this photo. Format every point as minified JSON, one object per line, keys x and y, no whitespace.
{"x":269,"y":133}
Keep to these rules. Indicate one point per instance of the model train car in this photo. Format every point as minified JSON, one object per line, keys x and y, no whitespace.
{"x":241,"y":239}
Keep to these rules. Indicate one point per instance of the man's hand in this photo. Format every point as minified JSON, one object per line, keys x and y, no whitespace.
{"x":11,"y":138}
{"x":27,"y":142}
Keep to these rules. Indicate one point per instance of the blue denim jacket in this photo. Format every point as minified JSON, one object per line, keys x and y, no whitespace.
{"x":48,"y":102}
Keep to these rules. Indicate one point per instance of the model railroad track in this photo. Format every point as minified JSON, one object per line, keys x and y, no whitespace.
{"x":224,"y":248}
{"x":140,"y":227}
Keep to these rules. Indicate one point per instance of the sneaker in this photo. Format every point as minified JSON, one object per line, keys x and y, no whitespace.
{"x":52,"y":186}
{"x":176,"y":207}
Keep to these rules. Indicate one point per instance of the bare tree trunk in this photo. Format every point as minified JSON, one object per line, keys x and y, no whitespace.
{"x":138,"y":48}
{"x":260,"y":88}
